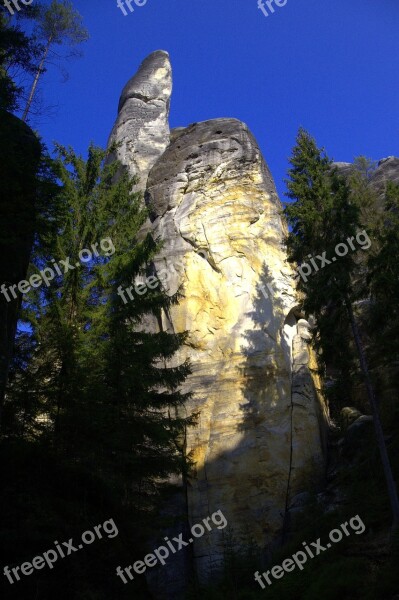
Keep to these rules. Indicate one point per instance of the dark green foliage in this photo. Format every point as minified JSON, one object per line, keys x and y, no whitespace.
{"x":25,"y":53}
{"x":321,"y":216}
{"x":18,"y":52}
{"x":58,"y":24}
{"x":103,"y":384}
{"x":383,"y":277}
{"x":92,"y":388}
{"x":43,"y":499}
{"x":61,"y":23}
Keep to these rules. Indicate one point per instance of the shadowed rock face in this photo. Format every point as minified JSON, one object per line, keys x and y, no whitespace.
{"x":142,"y":125}
{"x":258,"y":440}
{"x":387,"y":170}
{"x":18,"y":175}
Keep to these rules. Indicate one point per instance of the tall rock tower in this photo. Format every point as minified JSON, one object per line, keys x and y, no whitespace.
{"x":259,"y":437}
{"x":142,"y":126}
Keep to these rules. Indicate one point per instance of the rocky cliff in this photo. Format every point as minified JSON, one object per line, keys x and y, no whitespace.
{"x":262,"y":421}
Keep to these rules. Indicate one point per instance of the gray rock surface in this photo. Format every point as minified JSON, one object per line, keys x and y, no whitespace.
{"x":142,"y":126}
{"x":387,"y":170}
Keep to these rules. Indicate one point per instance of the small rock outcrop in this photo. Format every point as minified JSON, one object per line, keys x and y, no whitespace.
{"x":387,"y":169}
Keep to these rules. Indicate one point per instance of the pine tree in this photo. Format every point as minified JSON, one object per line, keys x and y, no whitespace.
{"x":19,"y":52}
{"x":105,"y":384}
{"x":324,"y":214}
{"x":58,"y":24}
{"x":383,"y":277}
{"x":318,"y":195}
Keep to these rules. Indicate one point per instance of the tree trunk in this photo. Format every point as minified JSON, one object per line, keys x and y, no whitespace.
{"x":392,"y":490}
{"x":36,"y":80}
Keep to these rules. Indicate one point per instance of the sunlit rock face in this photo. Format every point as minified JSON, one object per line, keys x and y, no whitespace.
{"x":217,"y":210}
{"x":259,"y":436}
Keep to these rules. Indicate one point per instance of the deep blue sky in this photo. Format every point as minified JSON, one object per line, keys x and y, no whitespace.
{"x":330,"y":66}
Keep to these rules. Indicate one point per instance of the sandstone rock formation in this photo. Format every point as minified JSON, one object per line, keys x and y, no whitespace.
{"x":259,"y":436}
{"x":142,"y":127}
